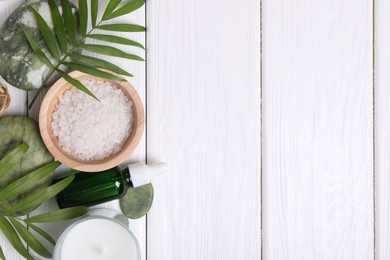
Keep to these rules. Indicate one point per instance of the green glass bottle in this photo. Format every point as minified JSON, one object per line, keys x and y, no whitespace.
{"x":92,"y":188}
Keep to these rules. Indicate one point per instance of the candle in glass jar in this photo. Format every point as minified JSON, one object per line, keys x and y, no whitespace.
{"x":98,"y":239}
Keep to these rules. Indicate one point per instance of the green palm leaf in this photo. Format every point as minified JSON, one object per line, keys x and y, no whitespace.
{"x":122,"y":27}
{"x":83,"y":11}
{"x":37,"y":50}
{"x":70,"y":39}
{"x":58,"y":215}
{"x":12,"y":158}
{"x":77,"y":84}
{"x":59,"y":27}
{"x":115,"y":39}
{"x":99,"y":63}
{"x":94,"y":11}
{"x":13,"y":237}
{"x":92,"y":71}
{"x":41,"y":196}
{"x":110,"y":8}
{"x":42,"y":233}
{"x":110,"y":51}
{"x":126,"y":9}
{"x":28,"y":181}
{"x":70,"y":24}
{"x":29,"y":238}
{"x":2,"y":256}
{"x":47,"y":35}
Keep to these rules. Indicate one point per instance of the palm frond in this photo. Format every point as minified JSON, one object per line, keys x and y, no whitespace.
{"x":71,"y":31}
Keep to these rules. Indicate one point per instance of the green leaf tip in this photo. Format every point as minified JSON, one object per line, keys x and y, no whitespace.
{"x":30,"y":239}
{"x":42,"y":233}
{"x":99,"y":63}
{"x":110,"y":51}
{"x":122,"y":27}
{"x":92,"y":71}
{"x":59,"y":215}
{"x":13,"y":237}
{"x":125,"y":9}
{"x":12,"y":158}
{"x":2,"y":256}
{"x":77,"y":84}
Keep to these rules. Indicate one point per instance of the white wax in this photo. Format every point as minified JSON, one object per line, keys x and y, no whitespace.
{"x":98,"y":239}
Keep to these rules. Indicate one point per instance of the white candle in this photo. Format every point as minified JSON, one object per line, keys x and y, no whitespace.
{"x":98,"y":239}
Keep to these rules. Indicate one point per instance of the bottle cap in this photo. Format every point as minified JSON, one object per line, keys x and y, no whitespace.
{"x":142,"y":174}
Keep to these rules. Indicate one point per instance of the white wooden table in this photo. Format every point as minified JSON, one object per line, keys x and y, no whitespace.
{"x":278,"y":140}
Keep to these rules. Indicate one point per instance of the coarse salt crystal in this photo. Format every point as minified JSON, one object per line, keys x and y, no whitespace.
{"x":89,"y":129}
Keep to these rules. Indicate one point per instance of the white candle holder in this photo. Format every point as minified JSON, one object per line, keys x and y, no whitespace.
{"x":86,"y":238}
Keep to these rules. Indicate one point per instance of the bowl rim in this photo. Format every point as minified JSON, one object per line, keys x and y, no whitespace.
{"x":47,"y":107}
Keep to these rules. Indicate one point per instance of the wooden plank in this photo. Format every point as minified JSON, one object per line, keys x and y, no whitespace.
{"x":318,"y":129}
{"x":203,"y":90}
{"x":382,"y":128}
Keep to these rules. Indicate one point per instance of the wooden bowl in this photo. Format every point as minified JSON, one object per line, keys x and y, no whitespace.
{"x":51,"y":142}
{"x":4,"y":99}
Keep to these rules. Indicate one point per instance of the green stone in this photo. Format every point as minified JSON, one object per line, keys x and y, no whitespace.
{"x":137,"y":201}
{"x":19,"y":65}
{"x":15,"y":130}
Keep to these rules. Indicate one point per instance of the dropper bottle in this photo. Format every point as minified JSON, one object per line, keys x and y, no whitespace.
{"x":92,"y":188}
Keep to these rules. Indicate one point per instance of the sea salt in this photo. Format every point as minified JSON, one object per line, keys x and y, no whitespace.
{"x":89,"y":129}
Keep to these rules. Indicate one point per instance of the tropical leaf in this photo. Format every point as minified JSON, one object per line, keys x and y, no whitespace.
{"x":59,"y":27}
{"x":77,"y":84}
{"x":41,"y":196}
{"x":94,"y":11}
{"x":37,"y":50}
{"x":70,"y":23}
{"x":58,"y":215}
{"x":115,"y":39}
{"x":99,"y":63}
{"x":92,"y":71}
{"x":12,"y":158}
{"x":2,"y":256}
{"x":42,"y":233}
{"x":13,"y":237}
{"x":112,"y":4}
{"x":126,"y":9}
{"x":47,"y":35}
{"x":83,"y":11}
{"x":122,"y":27}
{"x":70,"y":39}
{"x":28,"y":181}
{"x":30,"y":239}
{"x":110,"y":51}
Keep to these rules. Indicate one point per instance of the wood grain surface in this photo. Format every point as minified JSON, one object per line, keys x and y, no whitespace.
{"x":318,"y":129}
{"x":203,"y":114}
{"x":201,"y":91}
{"x":382,"y":127}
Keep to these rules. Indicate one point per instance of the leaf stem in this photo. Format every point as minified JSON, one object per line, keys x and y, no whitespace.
{"x":59,"y":63}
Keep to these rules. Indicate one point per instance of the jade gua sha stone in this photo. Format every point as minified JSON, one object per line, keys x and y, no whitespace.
{"x":19,"y":65}
{"x":15,"y":130}
{"x":137,"y":202}
{"x":131,"y":185}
